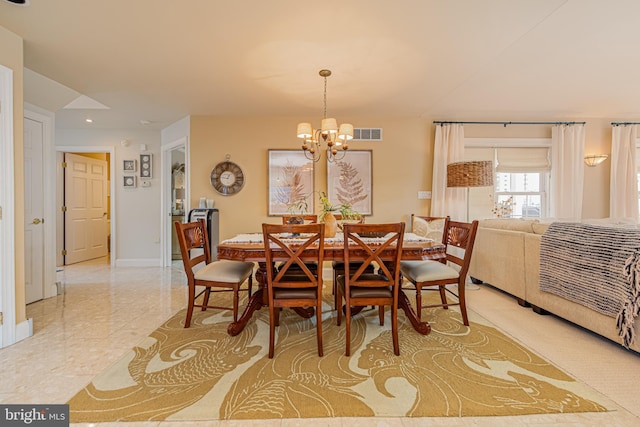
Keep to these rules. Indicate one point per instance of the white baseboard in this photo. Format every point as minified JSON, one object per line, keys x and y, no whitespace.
{"x":24,"y":329}
{"x":52,"y":290}
{"x":148,"y":262}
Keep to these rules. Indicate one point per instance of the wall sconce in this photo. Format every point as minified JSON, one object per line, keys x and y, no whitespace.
{"x":595,"y":159}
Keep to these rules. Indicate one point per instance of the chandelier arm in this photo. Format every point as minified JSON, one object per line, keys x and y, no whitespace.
{"x":335,"y":157}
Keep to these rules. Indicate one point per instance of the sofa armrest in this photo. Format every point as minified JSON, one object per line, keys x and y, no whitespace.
{"x":498,"y":259}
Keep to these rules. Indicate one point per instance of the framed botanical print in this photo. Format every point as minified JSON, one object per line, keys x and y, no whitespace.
{"x":350,"y":181}
{"x":290,"y":183}
{"x":146,"y":167}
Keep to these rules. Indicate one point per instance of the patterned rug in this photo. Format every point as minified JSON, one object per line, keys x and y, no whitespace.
{"x":202,"y":373}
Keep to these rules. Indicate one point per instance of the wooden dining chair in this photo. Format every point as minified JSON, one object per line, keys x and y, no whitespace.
{"x":359,"y":288}
{"x":338,"y":266}
{"x":299,"y":288}
{"x":213,"y":276}
{"x":452,"y":270}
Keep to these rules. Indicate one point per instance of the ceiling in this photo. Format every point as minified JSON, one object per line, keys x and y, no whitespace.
{"x":153,"y":62}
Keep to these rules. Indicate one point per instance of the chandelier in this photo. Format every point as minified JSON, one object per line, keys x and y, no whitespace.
{"x":329,"y":133}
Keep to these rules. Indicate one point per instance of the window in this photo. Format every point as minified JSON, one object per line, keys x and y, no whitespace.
{"x":521,"y":193}
{"x":521,"y":181}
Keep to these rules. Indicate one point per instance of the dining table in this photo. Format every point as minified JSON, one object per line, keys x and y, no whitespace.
{"x":250,"y":247}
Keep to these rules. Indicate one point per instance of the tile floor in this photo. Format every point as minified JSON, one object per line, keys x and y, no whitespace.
{"x":103,"y":312}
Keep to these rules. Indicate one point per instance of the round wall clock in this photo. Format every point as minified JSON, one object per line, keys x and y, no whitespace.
{"x":227,"y":178}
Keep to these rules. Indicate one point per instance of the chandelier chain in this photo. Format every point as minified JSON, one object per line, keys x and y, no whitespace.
{"x":325,"y":97}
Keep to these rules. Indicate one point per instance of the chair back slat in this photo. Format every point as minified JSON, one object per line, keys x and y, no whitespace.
{"x":193,"y":235}
{"x":308,"y":245}
{"x":384,"y":253}
{"x":460,"y":235}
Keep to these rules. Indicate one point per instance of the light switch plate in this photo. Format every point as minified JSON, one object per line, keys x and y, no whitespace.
{"x":424,"y":195}
{"x":145,"y":183}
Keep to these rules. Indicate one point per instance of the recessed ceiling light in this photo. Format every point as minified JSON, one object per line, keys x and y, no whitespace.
{"x":88,"y":120}
{"x":19,"y":2}
{"x":145,"y":122}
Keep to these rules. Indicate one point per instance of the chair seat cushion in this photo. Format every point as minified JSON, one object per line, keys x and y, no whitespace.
{"x":371,"y":292}
{"x":294,"y":293}
{"x":368,"y":291}
{"x":426,"y":271}
{"x":225,"y":271}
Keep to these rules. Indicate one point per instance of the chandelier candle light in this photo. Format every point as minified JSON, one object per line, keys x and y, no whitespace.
{"x":335,"y":137}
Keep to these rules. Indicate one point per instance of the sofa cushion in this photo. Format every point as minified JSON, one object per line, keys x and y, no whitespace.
{"x":525,"y":225}
{"x":540,"y":228}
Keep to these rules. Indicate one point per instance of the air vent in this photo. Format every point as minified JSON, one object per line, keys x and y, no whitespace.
{"x":367,"y":134}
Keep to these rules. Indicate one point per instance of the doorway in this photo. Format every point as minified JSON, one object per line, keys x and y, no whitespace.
{"x":175,"y":196}
{"x":109,"y":221}
{"x":86,"y":207}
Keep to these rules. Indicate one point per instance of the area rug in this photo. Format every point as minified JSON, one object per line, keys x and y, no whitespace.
{"x":202,"y":373}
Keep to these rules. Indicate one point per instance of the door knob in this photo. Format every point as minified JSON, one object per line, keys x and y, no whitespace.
{"x":36,"y":220}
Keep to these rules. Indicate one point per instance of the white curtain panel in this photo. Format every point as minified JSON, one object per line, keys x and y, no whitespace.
{"x":448,"y":148}
{"x":623,"y":203}
{"x":567,"y":171}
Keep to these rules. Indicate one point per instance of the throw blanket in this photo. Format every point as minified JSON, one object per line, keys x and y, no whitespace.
{"x":591,"y":265}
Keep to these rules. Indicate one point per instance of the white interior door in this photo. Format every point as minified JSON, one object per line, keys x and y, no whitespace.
{"x":33,"y":210}
{"x":85,"y":195}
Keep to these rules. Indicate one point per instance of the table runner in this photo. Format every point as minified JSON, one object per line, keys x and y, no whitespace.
{"x":339,"y":238}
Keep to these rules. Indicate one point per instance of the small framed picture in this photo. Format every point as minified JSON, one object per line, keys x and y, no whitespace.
{"x":129,"y":165}
{"x":146,"y":166}
{"x":129,"y":181}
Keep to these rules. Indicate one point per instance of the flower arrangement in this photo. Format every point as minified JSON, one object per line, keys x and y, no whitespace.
{"x":299,"y":206}
{"x":326,"y":206}
{"x":504,"y":208}
{"x":346,"y":211}
{"x":327,"y":216}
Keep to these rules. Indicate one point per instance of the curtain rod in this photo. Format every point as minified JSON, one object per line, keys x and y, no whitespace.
{"x":624,"y":123}
{"x":505,"y":124}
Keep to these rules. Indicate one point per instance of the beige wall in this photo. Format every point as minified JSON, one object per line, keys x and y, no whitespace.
{"x":11,"y":56}
{"x":402,"y":163}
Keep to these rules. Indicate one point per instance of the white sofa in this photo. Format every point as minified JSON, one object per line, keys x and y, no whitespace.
{"x":506,"y":256}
